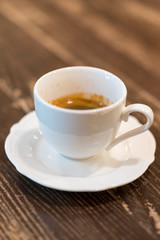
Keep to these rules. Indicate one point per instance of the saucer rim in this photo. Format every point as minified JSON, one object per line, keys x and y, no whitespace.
{"x":51,"y":183}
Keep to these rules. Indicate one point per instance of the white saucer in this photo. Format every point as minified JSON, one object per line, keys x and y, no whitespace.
{"x":33,"y":157}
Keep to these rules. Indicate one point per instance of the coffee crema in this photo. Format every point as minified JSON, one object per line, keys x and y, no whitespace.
{"x":81,"y":101}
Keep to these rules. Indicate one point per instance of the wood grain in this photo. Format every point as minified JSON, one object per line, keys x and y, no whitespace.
{"x":39,"y":36}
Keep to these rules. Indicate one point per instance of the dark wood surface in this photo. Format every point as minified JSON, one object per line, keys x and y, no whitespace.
{"x":39,"y":36}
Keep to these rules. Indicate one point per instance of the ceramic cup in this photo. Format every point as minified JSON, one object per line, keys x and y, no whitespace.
{"x":81,"y":134}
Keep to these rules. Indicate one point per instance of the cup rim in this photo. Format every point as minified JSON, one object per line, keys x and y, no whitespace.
{"x":75,"y":111}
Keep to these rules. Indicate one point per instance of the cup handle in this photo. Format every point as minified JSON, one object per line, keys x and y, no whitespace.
{"x":141,"y":108}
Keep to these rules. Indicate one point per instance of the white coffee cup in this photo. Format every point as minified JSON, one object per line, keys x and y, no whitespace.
{"x":84,"y":133}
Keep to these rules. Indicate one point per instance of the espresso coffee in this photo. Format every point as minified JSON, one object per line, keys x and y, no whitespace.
{"x":81,"y":101}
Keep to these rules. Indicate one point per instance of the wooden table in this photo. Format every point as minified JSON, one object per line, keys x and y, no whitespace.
{"x":39,"y":36}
